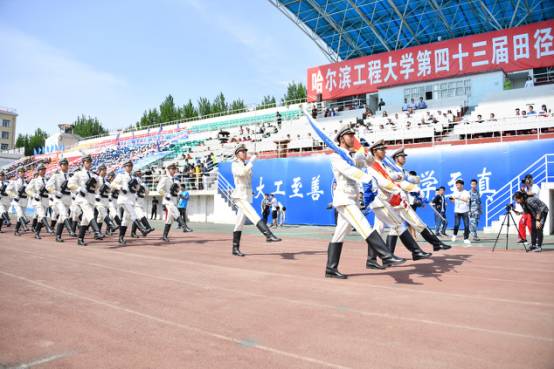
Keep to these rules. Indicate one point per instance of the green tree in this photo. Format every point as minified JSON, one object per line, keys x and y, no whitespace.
{"x":188,"y":110}
{"x":219,"y":105}
{"x":204,"y":106}
{"x":168,"y":111}
{"x":267,"y":102}
{"x":88,"y":126}
{"x":237,"y":106}
{"x":295,"y":91}
{"x":31,"y":142}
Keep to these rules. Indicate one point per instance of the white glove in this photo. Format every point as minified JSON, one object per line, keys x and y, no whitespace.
{"x":396,"y":176}
{"x":252,"y":159}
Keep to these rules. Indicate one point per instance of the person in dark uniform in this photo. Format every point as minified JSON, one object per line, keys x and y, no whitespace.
{"x":154,"y":212}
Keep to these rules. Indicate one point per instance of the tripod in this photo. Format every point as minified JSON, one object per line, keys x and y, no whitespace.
{"x":506,"y":221}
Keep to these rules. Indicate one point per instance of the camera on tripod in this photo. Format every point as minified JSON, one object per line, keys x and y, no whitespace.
{"x":509,"y":207}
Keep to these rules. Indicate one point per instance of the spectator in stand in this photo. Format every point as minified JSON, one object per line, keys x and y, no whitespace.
{"x":314,"y":111}
{"x":531,"y":111}
{"x":405,"y":105}
{"x":279,"y":119}
{"x":524,"y":114}
{"x":518,"y":114}
{"x":412,"y":104}
{"x":492,"y":118}
{"x":529,"y":83}
{"x":421,"y":104}
{"x":544,"y":111}
{"x":479,"y":118}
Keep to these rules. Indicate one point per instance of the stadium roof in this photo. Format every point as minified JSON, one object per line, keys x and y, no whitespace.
{"x":346,"y":29}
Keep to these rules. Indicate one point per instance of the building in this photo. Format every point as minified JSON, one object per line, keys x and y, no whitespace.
{"x":7,"y":128}
{"x":61,"y":140}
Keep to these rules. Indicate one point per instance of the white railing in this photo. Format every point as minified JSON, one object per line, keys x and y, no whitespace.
{"x":542,"y":171}
{"x":204,"y":182}
{"x":225,"y":188}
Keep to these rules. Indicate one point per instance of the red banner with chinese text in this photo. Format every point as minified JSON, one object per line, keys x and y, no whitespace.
{"x":509,"y":50}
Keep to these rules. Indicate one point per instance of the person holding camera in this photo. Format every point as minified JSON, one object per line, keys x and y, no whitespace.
{"x":538,"y":212}
{"x":460,"y":197}
{"x":531,"y":189}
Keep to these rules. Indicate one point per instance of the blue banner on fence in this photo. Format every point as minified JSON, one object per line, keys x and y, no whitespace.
{"x":303,"y":185}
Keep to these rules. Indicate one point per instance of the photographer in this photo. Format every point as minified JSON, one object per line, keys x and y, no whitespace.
{"x":531,"y":189}
{"x":538,"y":212}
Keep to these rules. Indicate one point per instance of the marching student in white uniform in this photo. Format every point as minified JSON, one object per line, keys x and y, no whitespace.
{"x":85,"y":183}
{"x":4,"y":202}
{"x":168,"y":188}
{"x":16,"y":190}
{"x":242,"y":197}
{"x":345,"y":201}
{"x":57,"y":185}
{"x":140,"y":206}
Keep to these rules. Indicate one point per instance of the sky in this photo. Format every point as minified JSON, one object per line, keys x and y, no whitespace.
{"x":114,"y":59}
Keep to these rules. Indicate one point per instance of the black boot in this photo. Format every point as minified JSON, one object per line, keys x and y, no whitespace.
{"x":74,"y":224}
{"x":391,"y":243}
{"x":68,"y":223}
{"x":47,"y":226}
{"x":37,"y":228}
{"x":59,"y":230}
{"x":147,"y":225}
{"x":52,"y":225}
{"x":411,"y":244}
{"x":165,"y":237}
{"x":236,"y":243}
{"x":122,"y":230}
{"x":6,"y":218}
{"x":117,"y":220}
{"x":134,"y":230}
{"x":434,"y":240}
{"x":24,"y":221}
{"x":99,"y":227}
{"x":82,"y":232}
{"x":96,"y":230}
{"x":34,"y":224}
{"x":141,"y":227}
{"x":110,"y":225}
{"x":269,"y":236}
{"x":17,"y":227}
{"x":371,"y":262}
{"x":333,"y":258}
{"x":381,"y":249}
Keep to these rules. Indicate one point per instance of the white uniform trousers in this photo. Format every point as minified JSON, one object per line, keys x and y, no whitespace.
{"x":350,"y":216}
{"x":170,"y":211}
{"x":5,"y":205}
{"x":19,"y":207}
{"x":389,"y":218}
{"x":102,"y":205}
{"x":86,"y":206}
{"x":61,"y":207}
{"x":245,"y":211}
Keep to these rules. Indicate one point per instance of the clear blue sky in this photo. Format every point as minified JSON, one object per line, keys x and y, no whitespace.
{"x":113,"y":59}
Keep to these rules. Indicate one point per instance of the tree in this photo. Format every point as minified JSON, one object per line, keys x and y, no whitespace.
{"x":219,"y":105}
{"x":295,"y":91}
{"x":204,"y":106}
{"x":87,"y":126}
{"x":168,"y":111}
{"x":237,"y":106}
{"x":33,"y":142}
{"x":267,"y":102}
{"x":188,"y":111}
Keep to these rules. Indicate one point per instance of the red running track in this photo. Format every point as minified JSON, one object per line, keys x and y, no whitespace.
{"x":191,"y":304}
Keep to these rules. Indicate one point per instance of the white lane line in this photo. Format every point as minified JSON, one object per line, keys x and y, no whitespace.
{"x":394,"y":288}
{"x":41,"y":361}
{"x":173,"y":323}
{"x":312,"y":303}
